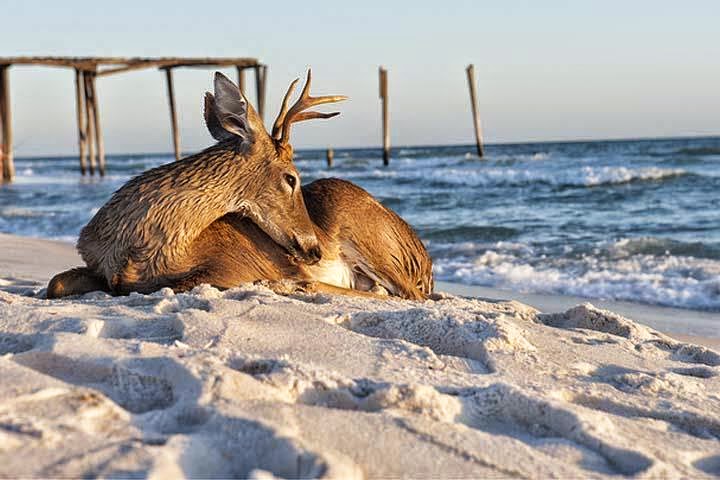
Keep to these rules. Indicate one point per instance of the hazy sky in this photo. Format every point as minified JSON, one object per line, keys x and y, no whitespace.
{"x":546,"y":69}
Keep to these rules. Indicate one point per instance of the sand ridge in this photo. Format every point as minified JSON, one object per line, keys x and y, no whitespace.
{"x":246,"y":383}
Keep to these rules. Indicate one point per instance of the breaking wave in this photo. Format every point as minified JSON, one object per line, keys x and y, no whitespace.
{"x":505,"y":176}
{"x":632,"y":270}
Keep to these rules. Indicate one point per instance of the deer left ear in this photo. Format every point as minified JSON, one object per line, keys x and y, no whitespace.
{"x":213,"y":122}
{"x":227,"y":116}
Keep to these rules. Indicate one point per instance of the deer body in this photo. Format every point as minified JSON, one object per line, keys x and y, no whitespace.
{"x":365,"y":247}
{"x":139,"y":240}
{"x":235,"y":213}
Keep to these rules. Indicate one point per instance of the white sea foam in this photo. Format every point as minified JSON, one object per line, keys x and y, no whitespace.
{"x":678,"y":281}
{"x":20,"y":212}
{"x":584,"y":176}
{"x":483,"y":176}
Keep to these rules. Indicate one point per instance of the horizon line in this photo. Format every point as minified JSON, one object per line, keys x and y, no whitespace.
{"x":441,"y":145}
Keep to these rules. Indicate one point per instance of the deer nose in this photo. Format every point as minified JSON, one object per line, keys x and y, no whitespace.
{"x":306,"y":250}
{"x":314,"y":255}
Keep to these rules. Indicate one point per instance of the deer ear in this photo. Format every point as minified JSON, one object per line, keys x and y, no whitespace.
{"x":213,"y":122}
{"x":228,"y":113}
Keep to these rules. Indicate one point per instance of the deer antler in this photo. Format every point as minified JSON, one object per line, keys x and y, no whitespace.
{"x":297,"y":113}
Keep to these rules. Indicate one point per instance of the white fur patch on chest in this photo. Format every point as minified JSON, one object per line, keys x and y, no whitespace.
{"x":334,"y":272}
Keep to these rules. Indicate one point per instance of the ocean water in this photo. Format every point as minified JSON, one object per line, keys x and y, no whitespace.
{"x":626,"y":220}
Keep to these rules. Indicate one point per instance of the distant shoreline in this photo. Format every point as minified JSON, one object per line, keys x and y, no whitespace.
{"x":441,"y":145}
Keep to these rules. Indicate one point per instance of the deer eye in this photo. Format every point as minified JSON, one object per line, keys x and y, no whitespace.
{"x":291,"y":180}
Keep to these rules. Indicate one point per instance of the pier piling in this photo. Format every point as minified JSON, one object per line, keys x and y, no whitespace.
{"x":99,"y":140}
{"x":385,"y":121}
{"x":474,"y":104}
{"x":173,"y":113}
{"x":260,"y":78}
{"x":90,"y":123}
{"x":6,"y":144}
{"x":330,"y":155}
{"x":241,"y":79}
{"x":80,"y":107}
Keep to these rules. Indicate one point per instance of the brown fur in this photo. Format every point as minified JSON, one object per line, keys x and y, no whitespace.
{"x":139,"y":240}
{"x":352,"y":227}
{"x":75,"y":281}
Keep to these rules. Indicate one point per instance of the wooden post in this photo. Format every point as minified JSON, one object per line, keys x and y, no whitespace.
{"x":385,"y":124}
{"x":6,"y":147}
{"x":330,"y":155}
{"x":173,"y":113}
{"x":90,"y":122}
{"x":80,"y":105}
{"x":476,"y":116}
{"x":260,"y":79}
{"x":241,"y":79}
{"x":99,"y":141}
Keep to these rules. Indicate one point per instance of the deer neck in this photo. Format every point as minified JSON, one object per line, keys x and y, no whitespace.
{"x":183,"y":201}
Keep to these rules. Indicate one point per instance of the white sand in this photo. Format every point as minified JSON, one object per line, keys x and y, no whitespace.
{"x":248,"y":383}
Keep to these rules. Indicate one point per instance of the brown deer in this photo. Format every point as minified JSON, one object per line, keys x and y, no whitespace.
{"x":365,"y":248}
{"x":140,"y":239}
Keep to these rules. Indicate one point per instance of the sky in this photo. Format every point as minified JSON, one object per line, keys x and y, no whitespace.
{"x":547,"y":70}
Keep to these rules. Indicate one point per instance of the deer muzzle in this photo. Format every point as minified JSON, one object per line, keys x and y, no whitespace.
{"x":305,"y":249}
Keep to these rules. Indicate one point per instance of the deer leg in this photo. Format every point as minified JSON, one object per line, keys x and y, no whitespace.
{"x":76,"y":281}
{"x":188,"y":281}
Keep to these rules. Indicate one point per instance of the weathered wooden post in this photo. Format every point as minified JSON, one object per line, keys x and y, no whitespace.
{"x":385,"y":124}
{"x":173,"y":112}
{"x":260,"y":79}
{"x":330,"y":155}
{"x":241,"y":78}
{"x":6,"y":146}
{"x":476,"y":116}
{"x":90,"y":122}
{"x":80,"y":106}
{"x":99,"y":141}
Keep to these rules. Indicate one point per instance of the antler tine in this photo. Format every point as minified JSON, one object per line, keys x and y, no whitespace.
{"x":302,"y":116}
{"x":297,"y":113}
{"x":283,"y":110}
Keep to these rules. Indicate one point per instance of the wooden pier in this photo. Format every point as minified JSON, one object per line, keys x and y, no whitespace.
{"x":87,"y":70}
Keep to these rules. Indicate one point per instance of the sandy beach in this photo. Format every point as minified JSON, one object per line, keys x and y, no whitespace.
{"x":251,"y":384}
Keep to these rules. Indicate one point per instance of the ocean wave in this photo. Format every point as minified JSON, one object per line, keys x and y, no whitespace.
{"x":10,"y":212}
{"x":451,"y":176}
{"x":698,"y":151}
{"x":675,"y":281}
{"x":516,"y":158}
{"x":582,"y":177}
{"x":628,"y":247}
{"x":467,"y":232}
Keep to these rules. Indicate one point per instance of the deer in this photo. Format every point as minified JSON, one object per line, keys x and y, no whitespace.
{"x":139,"y":240}
{"x":365,"y":249}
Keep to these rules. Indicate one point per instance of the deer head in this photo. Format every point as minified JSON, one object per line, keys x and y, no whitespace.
{"x":271,"y":194}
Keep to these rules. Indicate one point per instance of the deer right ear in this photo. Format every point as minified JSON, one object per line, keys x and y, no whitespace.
{"x":226,"y":113}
